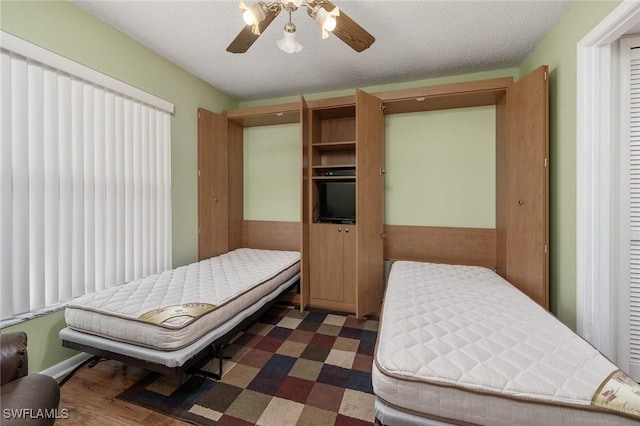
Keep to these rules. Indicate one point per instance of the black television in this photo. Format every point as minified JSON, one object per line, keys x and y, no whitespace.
{"x":337,"y":202}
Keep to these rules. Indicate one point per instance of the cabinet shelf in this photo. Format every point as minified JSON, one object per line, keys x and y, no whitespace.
{"x":340,"y":178}
{"x":320,"y":170}
{"x":335,"y":146}
{"x":331,"y":166}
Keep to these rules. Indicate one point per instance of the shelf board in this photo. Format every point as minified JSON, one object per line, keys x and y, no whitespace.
{"x":333,"y":177}
{"x":333,"y":166}
{"x":265,"y":115}
{"x":335,"y":146}
{"x":446,"y":96}
{"x":342,"y":106}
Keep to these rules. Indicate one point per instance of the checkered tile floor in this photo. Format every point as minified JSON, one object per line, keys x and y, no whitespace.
{"x":290,"y":368}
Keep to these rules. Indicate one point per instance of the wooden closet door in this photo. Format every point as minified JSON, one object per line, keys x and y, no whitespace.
{"x":527,"y":182}
{"x":305,"y":198}
{"x":213,"y":184}
{"x":369,"y":202}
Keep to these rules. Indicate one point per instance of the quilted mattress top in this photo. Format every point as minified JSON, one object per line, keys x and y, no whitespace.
{"x":467,"y":327}
{"x":173,"y":299}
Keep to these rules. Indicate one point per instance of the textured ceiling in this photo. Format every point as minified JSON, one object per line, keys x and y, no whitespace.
{"x":414,"y":40}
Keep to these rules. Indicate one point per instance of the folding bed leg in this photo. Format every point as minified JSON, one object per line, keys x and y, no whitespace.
{"x":215,"y":352}
{"x":205,"y":373}
{"x":93,"y":361}
{"x":220,"y":357}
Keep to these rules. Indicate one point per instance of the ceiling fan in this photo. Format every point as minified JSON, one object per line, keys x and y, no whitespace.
{"x":330,"y":18}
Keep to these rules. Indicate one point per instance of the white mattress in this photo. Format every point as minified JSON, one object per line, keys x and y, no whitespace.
{"x":461,"y":344}
{"x":177,"y":358}
{"x":224,"y":285}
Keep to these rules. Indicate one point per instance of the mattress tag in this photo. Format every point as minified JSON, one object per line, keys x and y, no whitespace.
{"x":191,"y":310}
{"x":619,"y":392}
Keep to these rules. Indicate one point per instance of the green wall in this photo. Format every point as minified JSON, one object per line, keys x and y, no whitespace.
{"x":272,"y":172}
{"x":428,"y":156}
{"x":440,"y":173}
{"x":43,"y":343}
{"x":558,"y":50}
{"x":69,"y":31}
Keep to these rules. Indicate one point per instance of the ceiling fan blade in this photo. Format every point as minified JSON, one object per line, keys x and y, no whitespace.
{"x":246,"y":37}
{"x":348,"y":30}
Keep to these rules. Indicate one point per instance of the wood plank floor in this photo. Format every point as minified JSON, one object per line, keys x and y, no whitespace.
{"x":90,"y":398}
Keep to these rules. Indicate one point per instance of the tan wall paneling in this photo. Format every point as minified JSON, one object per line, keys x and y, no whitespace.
{"x":271,"y":235}
{"x":458,"y":246}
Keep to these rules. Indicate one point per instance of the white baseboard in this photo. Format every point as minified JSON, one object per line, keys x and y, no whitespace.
{"x":63,"y":368}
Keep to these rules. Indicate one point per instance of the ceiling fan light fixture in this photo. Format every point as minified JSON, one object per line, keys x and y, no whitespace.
{"x":291,"y":4}
{"x":326,"y":20}
{"x":288,"y":42}
{"x":260,"y":15}
{"x":253,"y":15}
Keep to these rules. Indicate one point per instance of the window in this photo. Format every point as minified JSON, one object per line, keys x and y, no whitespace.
{"x":85,"y":180}
{"x":629,"y":213}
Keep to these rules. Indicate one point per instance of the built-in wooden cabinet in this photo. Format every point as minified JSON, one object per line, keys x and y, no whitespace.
{"x":345,"y":259}
{"x":343,"y":270}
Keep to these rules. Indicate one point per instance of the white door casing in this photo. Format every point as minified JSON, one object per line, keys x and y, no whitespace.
{"x":597,"y":181}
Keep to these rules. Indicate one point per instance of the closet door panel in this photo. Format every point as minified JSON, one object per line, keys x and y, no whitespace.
{"x":213,"y":179}
{"x":235,"y":185}
{"x":527,"y":177}
{"x":369,"y":202}
{"x":305,"y":211}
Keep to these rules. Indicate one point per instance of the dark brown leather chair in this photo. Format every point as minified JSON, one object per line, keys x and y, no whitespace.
{"x":27,"y":399}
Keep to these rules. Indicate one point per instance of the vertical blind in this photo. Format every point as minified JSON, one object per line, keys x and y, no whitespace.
{"x":633,"y":132}
{"x":85,"y":180}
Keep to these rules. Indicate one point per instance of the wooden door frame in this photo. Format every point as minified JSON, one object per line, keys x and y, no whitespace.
{"x":596,"y":144}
